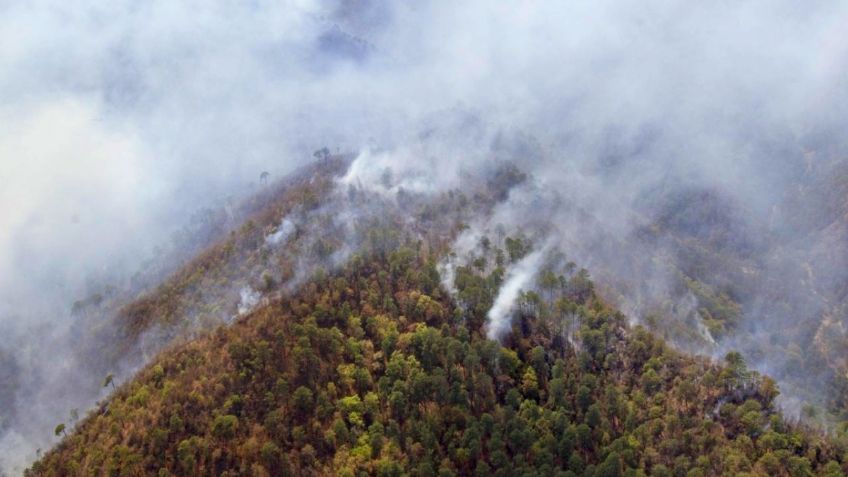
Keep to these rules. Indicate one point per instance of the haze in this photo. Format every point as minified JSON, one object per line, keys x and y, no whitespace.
{"x":119,"y":121}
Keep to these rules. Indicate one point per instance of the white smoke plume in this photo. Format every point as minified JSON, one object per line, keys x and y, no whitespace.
{"x":249,"y":299}
{"x":518,"y":277}
{"x":283,"y":232}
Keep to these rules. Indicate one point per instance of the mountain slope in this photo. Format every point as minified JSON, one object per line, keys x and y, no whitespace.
{"x":371,"y":367}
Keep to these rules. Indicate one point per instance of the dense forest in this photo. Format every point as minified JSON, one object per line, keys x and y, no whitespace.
{"x":362,"y":237}
{"x":380,"y":364}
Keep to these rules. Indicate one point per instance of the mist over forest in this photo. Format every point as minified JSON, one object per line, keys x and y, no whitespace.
{"x":690,"y":157}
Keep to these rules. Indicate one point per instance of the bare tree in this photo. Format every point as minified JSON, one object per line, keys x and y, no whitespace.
{"x":263,"y":178}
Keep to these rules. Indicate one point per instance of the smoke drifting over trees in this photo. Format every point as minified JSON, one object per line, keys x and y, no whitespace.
{"x":674,"y":150}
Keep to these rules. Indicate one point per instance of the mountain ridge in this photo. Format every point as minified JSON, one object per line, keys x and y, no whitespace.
{"x":316,"y":381}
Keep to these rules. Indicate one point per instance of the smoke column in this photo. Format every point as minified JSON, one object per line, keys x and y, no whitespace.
{"x":518,"y":277}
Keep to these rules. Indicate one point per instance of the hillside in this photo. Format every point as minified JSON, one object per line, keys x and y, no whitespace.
{"x":212,"y":270}
{"x":361,"y":348}
{"x":712,"y":273}
{"x":429,"y":238}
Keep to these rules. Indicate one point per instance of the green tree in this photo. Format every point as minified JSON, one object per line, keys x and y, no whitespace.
{"x":109,"y":380}
{"x":225,"y":427}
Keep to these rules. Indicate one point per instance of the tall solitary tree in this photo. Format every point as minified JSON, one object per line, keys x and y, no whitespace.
{"x":321,"y":154}
{"x":109,"y":379}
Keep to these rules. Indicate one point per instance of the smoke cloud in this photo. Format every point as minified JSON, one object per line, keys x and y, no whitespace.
{"x":120,"y":120}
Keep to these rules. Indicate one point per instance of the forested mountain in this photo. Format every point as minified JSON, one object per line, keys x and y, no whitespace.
{"x":346,"y":331}
{"x":768,"y":285}
{"x":362,"y":237}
